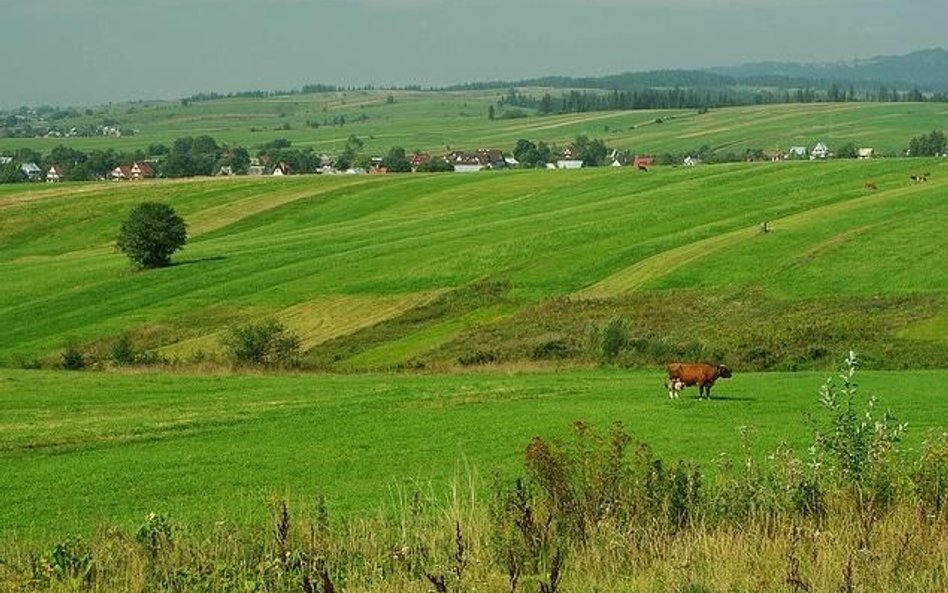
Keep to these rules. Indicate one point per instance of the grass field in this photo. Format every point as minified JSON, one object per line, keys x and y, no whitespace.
{"x":371,"y":271}
{"x":441,"y":121}
{"x":82,"y":450}
{"x":408,"y":272}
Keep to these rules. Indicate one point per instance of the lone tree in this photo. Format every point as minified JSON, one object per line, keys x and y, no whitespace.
{"x":150,"y":234}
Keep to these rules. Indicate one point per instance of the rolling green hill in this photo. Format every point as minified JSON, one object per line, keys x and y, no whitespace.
{"x":424,"y":271}
{"x":441,"y":121}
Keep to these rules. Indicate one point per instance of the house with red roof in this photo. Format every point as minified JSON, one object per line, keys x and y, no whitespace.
{"x":141,"y":170}
{"x":121,"y":173}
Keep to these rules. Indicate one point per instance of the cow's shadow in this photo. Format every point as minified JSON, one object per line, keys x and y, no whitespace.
{"x":730,"y":398}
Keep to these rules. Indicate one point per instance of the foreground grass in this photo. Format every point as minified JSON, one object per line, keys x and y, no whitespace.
{"x":592,"y":511}
{"x":455,"y":547}
{"x":79,"y":450}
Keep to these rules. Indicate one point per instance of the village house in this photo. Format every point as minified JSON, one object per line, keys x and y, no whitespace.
{"x":256,"y":168}
{"x":776,"y":155}
{"x":569,"y":159}
{"x":136,"y":171}
{"x":690,"y":161}
{"x":865,"y":153}
{"x":327,"y":165}
{"x":141,"y":170}
{"x":466,"y":165}
{"x":281,"y":169}
{"x":121,"y":173}
{"x":820,"y":151}
{"x":31,"y":170}
{"x":494,"y":158}
{"x":569,"y":163}
{"x":796,"y":152}
{"x":418,"y":159}
{"x":55,"y":173}
{"x":470,"y":162}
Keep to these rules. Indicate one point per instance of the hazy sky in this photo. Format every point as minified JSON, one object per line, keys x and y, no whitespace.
{"x":79,"y":52}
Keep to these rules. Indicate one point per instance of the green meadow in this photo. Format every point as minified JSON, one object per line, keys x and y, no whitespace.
{"x":392,"y":282}
{"x":90,"y":449}
{"x":442,"y":121}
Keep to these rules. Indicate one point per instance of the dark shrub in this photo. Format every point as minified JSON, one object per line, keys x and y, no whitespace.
{"x":614,"y":337}
{"x":478,"y":357}
{"x":73,"y":359}
{"x":551,"y":350}
{"x":123,"y":351}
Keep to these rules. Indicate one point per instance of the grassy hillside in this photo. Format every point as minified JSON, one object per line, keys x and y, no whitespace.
{"x":387,"y":272}
{"x":440,"y":121}
{"x":82,"y":450}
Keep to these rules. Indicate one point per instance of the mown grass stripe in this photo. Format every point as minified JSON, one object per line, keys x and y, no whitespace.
{"x":640,"y":273}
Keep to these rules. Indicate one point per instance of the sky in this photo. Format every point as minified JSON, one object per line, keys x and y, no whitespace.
{"x":87,"y":52}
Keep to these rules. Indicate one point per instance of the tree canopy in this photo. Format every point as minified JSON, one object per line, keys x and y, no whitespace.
{"x":150,"y":234}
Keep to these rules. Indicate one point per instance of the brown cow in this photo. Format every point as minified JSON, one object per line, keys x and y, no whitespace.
{"x":701,"y":374}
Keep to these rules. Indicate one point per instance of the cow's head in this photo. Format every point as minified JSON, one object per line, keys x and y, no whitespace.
{"x":724,"y":372}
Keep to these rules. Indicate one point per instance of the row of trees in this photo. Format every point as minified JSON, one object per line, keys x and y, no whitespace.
{"x":203,"y":156}
{"x":933,"y":144}
{"x":696,"y":98}
{"x":593,"y":152}
{"x":189,"y":157}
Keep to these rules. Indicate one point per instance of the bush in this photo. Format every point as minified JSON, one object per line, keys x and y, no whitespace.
{"x":614,"y":337}
{"x":150,"y":234}
{"x":551,"y":350}
{"x":856,"y":443}
{"x":123,"y":352}
{"x":73,"y":359}
{"x":267,"y":343}
{"x":478,"y":357}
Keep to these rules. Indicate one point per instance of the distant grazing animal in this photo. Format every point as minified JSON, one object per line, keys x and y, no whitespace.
{"x":643,"y":168}
{"x":701,"y":374}
{"x":870,"y":185}
{"x":919,"y":178}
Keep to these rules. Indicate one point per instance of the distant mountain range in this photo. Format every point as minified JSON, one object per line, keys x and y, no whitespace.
{"x":926,"y":70}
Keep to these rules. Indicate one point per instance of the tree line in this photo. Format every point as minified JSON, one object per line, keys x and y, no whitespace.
{"x":575,"y":101}
{"x":204,"y":156}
